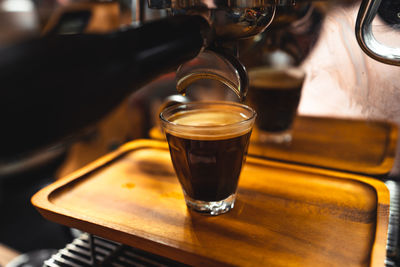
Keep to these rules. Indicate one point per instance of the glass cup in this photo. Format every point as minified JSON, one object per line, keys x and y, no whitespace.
{"x":208,"y":143}
{"x":275,"y":95}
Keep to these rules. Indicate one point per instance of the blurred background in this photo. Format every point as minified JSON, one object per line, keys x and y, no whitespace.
{"x":341,"y":82}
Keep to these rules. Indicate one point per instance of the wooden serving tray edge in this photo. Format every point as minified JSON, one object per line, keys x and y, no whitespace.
{"x":67,"y":217}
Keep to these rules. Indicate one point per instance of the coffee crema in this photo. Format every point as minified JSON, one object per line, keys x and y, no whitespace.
{"x":276,"y":78}
{"x":208,"y":124}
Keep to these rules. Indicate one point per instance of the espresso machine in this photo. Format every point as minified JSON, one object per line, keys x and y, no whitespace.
{"x":348,"y":49}
{"x":250,"y":33}
{"x":233,"y":21}
{"x":239,"y":35}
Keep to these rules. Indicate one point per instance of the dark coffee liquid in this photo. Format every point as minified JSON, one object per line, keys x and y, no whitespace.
{"x":208,"y":170}
{"x":208,"y":151}
{"x":275,"y":96}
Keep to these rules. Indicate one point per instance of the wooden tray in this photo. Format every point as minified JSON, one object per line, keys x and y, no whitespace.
{"x":360,"y":146}
{"x":285,"y":215}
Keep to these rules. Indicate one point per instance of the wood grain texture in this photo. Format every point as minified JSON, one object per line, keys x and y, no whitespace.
{"x":361,"y":146}
{"x":285,"y":215}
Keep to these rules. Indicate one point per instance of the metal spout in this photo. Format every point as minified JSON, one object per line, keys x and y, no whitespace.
{"x":210,"y":65}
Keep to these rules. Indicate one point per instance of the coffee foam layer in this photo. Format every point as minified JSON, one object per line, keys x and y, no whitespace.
{"x":209,"y":124}
{"x":276,"y":78}
{"x":207,"y":118}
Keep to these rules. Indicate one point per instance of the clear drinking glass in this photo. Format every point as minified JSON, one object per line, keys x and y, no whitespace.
{"x":208,"y":143}
{"x":275,"y":94}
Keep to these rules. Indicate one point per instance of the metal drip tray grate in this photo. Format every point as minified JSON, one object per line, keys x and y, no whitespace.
{"x":392,"y":247}
{"x":106,"y":253}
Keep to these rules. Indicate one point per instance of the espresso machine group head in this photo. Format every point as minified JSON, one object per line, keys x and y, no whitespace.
{"x":230,"y":20}
{"x":236,"y":19}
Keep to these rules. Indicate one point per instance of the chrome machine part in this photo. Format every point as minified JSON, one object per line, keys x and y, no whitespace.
{"x":366,"y":39}
{"x":231,"y":20}
{"x":89,"y":250}
{"x":212,"y":65}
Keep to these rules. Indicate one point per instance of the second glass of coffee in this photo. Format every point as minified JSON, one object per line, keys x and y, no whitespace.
{"x":275,"y":94}
{"x":208,"y":143}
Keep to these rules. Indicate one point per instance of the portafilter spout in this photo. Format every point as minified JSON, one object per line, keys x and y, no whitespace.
{"x":214,"y":65}
{"x":229,"y":20}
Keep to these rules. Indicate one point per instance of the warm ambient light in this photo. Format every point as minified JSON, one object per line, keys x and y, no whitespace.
{"x":17,"y":6}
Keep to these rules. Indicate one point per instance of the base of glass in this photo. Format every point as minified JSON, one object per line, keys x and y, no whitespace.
{"x":211,"y":207}
{"x":283,"y":137}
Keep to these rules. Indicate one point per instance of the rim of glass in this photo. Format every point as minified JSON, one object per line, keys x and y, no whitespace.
{"x":226,"y":103}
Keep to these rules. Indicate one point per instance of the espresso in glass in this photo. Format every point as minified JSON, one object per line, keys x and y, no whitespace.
{"x":275,"y":94}
{"x":208,"y":144}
